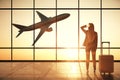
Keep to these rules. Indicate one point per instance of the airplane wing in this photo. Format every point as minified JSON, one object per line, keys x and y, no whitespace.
{"x":42,"y":17}
{"x":39,"y":35}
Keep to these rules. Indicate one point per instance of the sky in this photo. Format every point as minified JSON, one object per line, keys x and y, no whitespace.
{"x":67,"y":30}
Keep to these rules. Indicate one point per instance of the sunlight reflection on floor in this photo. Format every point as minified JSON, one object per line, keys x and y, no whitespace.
{"x":52,"y":71}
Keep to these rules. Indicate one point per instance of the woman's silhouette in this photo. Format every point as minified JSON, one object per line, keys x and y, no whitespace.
{"x":90,"y":44}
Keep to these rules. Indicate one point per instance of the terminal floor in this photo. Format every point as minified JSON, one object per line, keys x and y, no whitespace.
{"x":54,"y":71}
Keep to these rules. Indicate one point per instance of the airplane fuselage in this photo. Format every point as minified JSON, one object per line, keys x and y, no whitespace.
{"x":43,"y":25}
{"x":36,"y":26}
{"x":48,"y":22}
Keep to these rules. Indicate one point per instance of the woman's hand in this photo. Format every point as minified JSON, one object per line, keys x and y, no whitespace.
{"x":83,"y":26}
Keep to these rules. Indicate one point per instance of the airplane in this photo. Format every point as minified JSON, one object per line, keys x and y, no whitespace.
{"x":43,"y":24}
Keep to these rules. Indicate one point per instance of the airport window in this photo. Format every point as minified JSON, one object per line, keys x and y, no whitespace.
{"x":65,"y":41}
{"x":5,"y":32}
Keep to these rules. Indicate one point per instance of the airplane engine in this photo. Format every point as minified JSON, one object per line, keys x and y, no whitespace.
{"x":49,"y":29}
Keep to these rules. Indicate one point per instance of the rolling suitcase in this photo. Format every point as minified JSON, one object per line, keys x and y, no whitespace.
{"x":106,"y":62}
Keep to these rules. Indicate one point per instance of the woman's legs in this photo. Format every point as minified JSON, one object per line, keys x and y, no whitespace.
{"x":87,"y":59}
{"x":94,"y":59}
{"x":93,"y":50}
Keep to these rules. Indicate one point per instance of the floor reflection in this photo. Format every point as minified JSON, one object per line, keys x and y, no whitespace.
{"x":53,"y":71}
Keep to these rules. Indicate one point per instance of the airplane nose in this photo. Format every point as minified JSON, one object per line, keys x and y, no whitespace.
{"x":67,"y":14}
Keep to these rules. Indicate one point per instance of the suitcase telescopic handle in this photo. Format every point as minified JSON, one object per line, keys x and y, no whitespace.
{"x":108,"y":47}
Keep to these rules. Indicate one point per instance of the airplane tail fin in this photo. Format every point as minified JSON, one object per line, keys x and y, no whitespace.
{"x":19,"y":33}
{"x":21,"y":27}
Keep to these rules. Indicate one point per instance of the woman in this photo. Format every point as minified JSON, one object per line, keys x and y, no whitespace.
{"x":90,"y":44}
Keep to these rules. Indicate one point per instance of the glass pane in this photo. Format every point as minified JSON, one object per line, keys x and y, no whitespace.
{"x":89,"y":16}
{"x":48,"y":38}
{"x":5,"y":54}
{"x":115,"y":53}
{"x":5,"y":28}
{"x":82,"y":55}
{"x":45,"y":3}
{"x":89,"y":3}
{"x":67,"y":3}
{"x":67,"y":29}
{"x":111,"y":27}
{"x":22,"y":54}
{"x":5,"y":3}
{"x":24,"y":18}
{"x":111,"y":3}
{"x":67,"y":54}
{"x":22,"y":3}
{"x":45,"y":54}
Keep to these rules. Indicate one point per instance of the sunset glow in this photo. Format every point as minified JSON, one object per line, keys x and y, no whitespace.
{"x":66,"y":34}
